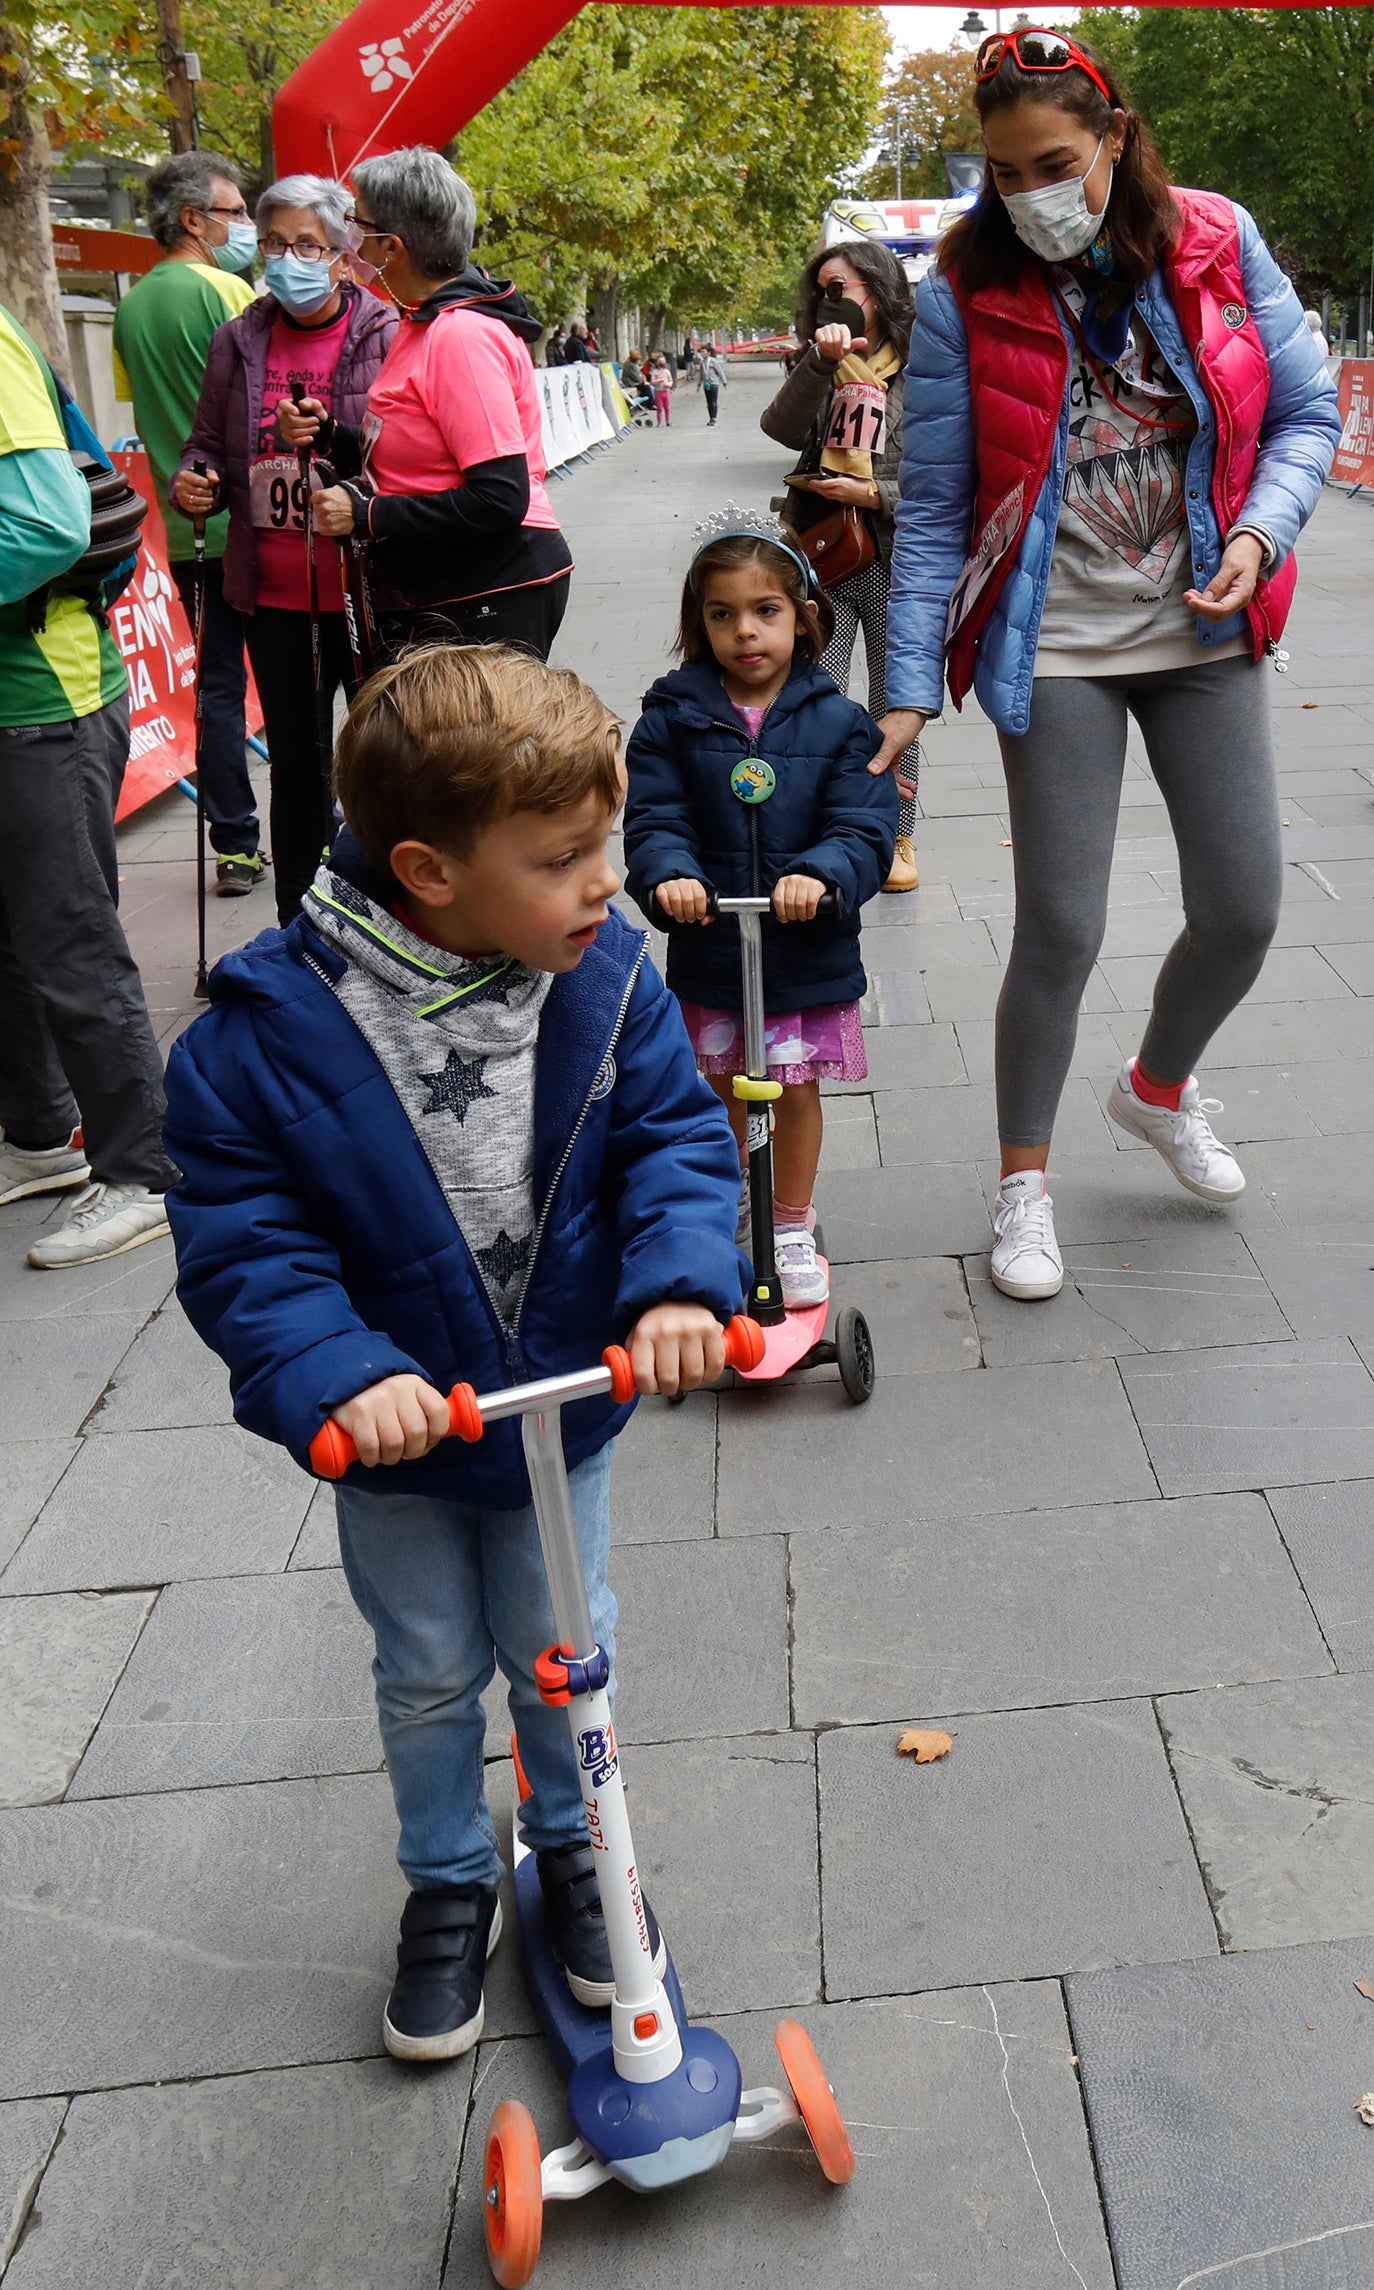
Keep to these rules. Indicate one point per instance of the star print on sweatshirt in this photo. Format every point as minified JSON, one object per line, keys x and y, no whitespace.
{"x":456,"y":1040}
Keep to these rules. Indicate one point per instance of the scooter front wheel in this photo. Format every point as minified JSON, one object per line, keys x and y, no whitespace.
{"x":820,"y":2110}
{"x":514,"y":2194}
{"x":854,"y":1354}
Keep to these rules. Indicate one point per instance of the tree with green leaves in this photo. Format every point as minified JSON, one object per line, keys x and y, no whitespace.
{"x":1274,"y":107}
{"x":90,"y":79}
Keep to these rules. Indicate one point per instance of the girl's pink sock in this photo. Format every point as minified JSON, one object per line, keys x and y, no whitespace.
{"x":1166,"y":1093}
{"x":790,"y":1213}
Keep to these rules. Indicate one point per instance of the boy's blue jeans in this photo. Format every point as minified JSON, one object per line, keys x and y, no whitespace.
{"x":450,"y":1590}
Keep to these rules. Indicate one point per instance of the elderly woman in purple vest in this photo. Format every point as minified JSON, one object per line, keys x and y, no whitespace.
{"x":317,"y":331}
{"x":1117,"y":425}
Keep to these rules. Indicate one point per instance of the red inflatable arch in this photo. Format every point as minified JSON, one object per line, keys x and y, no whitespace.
{"x":383,"y":79}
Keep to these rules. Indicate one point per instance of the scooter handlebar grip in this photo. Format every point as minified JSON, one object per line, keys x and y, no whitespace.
{"x":617,"y":1359}
{"x":464,"y":1415}
{"x":331,"y":1451}
{"x":743,"y":1343}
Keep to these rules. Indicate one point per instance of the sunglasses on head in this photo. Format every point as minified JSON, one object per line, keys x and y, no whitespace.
{"x":1032,"y":50}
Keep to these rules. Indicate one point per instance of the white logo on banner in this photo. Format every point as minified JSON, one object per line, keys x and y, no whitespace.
{"x":384,"y":62}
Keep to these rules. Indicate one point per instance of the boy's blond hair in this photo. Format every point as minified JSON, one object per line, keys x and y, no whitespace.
{"x":450,"y":739}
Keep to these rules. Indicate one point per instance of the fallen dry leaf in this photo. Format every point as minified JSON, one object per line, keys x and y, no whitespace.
{"x":1364,"y":2107}
{"x":924,"y":1743}
{"x":1311,"y":703}
{"x":1366,"y":1988}
{"x":1006,"y":842}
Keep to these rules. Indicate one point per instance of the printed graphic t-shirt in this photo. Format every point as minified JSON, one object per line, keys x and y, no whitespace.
{"x":71,"y":666}
{"x":308,"y":354}
{"x":1123,"y":551}
{"x":162,"y":333}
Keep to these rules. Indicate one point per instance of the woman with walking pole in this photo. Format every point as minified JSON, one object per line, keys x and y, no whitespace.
{"x":317,"y":334}
{"x":1118,"y":425}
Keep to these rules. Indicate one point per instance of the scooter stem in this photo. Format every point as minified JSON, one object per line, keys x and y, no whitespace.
{"x":644,"y":2033}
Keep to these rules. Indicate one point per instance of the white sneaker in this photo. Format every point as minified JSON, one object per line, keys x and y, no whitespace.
{"x":48,"y":1172}
{"x":1196,"y":1155}
{"x":1026,"y":1262}
{"x":801,"y":1275}
{"x":105,"y":1220}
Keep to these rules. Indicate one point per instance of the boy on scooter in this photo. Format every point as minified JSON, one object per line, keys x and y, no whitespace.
{"x":448,"y":1126}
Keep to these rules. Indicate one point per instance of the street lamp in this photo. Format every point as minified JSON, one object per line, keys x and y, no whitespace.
{"x":973,"y":27}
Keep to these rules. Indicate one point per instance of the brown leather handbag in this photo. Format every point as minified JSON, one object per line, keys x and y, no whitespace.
{"x":838,"y":545}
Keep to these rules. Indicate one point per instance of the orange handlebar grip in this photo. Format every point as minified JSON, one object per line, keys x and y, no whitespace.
{"x":743,"y":1343}
{"x":464,"y":1415}
{"x":617,"y":1359}
{"x":331,"y":1451}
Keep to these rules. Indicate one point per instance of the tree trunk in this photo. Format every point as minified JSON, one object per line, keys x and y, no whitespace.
{"x":28,"y":274}
{"x":606,"y":313}
{"x":656,"y":313}
{"x":181,"y":127}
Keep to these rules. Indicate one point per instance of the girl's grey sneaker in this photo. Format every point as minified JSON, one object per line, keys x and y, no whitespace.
{"x":801,"y":1275}
{"x":51,"y":1171}
{"x":436,"y":2008}
{"x":1184,"y":1139}
{"x":105,"y":1220}
{"x":1026,"y":1262}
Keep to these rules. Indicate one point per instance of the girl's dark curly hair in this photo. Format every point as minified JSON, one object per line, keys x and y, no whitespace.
{"x":815,"y":614}
{"x":881,"y":273}
{"x":1141,"y":212}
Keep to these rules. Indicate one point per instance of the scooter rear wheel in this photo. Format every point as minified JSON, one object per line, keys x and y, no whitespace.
{"x":820,"y":2110}
{"x":514,"y":2194}
{"x":854,"y":1354}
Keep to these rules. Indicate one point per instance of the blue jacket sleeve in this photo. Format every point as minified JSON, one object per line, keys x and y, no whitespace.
{"x":258,"y":1284}
{"x":1301,"y":427}
{"x":853,"y":853}
{"x":674,"y":1160}
{"x":45,"y":518}
{"x":660,"y":830}
{"x":935,"y":503}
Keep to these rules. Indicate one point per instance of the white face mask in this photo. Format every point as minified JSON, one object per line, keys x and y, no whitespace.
{"x":1056,"y":221}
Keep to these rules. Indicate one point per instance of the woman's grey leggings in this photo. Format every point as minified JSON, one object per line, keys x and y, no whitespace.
{"x":1207,"y":735}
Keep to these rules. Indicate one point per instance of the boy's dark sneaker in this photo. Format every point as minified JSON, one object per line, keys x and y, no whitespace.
{"x":577,"y":1928}
{"x":435,"y":2010}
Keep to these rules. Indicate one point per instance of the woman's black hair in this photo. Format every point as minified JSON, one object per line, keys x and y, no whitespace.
{"x":1142,"y":214}
{"x":881,"y":273}
{"x":815,"y":613}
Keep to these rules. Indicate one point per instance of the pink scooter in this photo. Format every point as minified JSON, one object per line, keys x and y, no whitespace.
{"x":797,"y":1339}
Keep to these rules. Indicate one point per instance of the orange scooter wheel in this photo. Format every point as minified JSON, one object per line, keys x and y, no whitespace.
{"x":820,"y":2110}
{"x":514,"y":2195}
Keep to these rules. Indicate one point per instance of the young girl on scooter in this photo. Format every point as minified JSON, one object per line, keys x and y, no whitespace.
{"x":749,"y":777}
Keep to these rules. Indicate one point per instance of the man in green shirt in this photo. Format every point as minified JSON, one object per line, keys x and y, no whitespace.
{"x":80,"y":1075}
{"x":162,"y":333}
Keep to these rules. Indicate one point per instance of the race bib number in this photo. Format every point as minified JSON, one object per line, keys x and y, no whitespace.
{"x":277,"y":494}
{"x":858,"y":418}
{"x":367,"y":438}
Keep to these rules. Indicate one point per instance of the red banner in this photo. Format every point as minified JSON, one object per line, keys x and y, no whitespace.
{"x":1354,"y":462}
{"x":75,"y":247}
{"x":159,"y":654}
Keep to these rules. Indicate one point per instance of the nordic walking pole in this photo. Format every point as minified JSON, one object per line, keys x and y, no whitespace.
{"x":202,"y":988}
{"x":362,"y":642}
{"x":324,"y":726}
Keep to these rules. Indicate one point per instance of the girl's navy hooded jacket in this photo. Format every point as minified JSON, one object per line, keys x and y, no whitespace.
{"x":316,"y":1252}
{"x":826,"y":817}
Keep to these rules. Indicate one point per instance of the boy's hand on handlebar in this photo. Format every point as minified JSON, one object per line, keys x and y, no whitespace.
{"x":395,"y":1421}
{"x":675,"y":1347}
{"x":300,"y":424}
{"x":796,"y":898}
{"x":684,"y":900}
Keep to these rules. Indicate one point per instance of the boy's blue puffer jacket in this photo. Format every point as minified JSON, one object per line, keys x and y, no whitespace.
{"x":934,"y":513}
{"x":827,"y":817}
{"x":317,"y":1253}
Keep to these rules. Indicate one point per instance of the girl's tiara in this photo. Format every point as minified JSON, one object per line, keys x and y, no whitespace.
{"x":733,"y":523}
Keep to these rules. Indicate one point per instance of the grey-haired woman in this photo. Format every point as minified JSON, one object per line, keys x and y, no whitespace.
{"x":314,"y":328}
{"x":461,"y":532}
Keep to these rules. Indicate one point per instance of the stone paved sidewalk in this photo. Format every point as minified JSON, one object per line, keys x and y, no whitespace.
{"x":1085,"y":1988}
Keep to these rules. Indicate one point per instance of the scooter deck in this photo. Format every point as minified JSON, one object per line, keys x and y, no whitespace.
{"x":788,"y":1342}
{"x":648,"y":2134}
